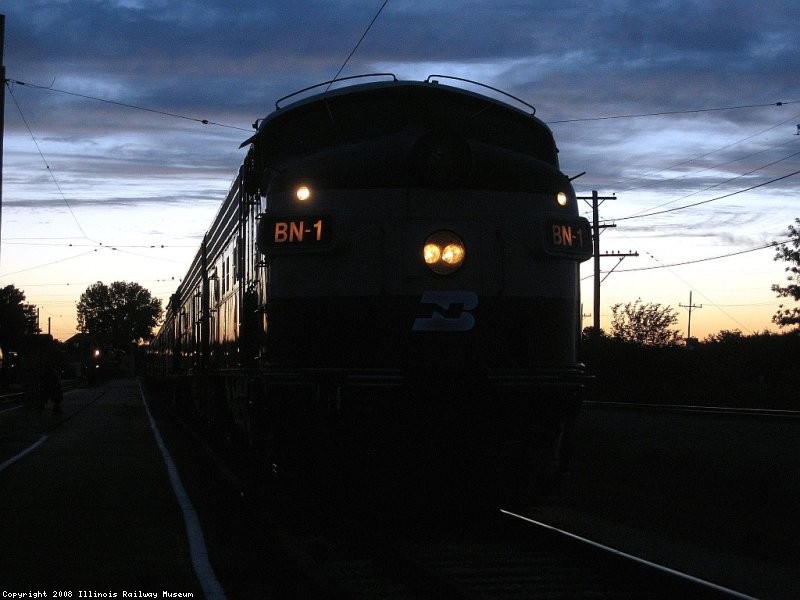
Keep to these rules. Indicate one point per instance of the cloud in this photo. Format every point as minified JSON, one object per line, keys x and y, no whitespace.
{"x":228,"y":60}
{"x":209,"y":197}
{"x":619,"y":56}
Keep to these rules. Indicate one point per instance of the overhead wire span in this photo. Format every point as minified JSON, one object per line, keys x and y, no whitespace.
{"x":644,"y":212}
{"x":81,"y":283}
{"x":28,"y":242}
{"x":46,"y":164}
{"x":689,"y":262}
{"x":700,"y":260}
{"x":352,"y":52}
{"x":361,"y":39}
{"x":704,"y":155}
{"x":125,"y":105}
{"x":54,"y":262}
{"x":139,"y":255}
{"x":685,"y":206}
{"x":95,"y":249}
{"x":694,"y":287}
{"x":746,"y":305}
{"x":668,"y":202}
{"x":672,"y":112}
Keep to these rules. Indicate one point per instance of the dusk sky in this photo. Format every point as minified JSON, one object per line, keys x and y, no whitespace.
{"x":687,"y":111}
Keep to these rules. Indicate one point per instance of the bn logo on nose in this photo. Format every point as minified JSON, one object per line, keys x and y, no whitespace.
{"x":448,"y":311}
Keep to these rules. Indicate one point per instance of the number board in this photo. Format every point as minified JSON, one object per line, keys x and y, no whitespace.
{"x":568,"y":237}
{"x":308,"y":231}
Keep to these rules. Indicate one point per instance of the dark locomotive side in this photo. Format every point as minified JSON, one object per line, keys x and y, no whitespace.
{"x":390,"y":287}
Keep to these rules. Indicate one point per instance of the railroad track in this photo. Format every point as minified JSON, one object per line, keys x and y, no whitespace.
{"x":696,"y":409}
{"x":506,"y":557}
{"x":9,"y":403}
{"x":10,"y":398}
{"x":22,"y":428}
{"x":641,"y":577}
{"x":347,"y":552}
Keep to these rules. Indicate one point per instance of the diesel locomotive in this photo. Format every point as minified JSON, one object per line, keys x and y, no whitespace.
{"x":391,"y":286}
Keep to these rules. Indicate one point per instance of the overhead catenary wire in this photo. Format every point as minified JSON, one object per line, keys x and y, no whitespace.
{"x":131,"y":106}
{"x":352,"y":52}
{"x":54,"y":262}
{"x":706,"y":154}
{"x":140,"y":255}
{"x":50,"y":88}
{"x":95,"y":249}
{"x":46,"y":164}
{"x":41,"y":242}
{"x":125,"y":105}
{"x":684,"y":207}
{"x":355,"y":48}
{"x":358,"y":43}
{"x":716,"y":305}
{"x":651,"y":212}
{"x":668,"y":202}
{"x":82,"y":283}
{"x":691,"y":262}
{"x":645,"y":212}
{"x":701,"y":260}
{"x":671,"y":112}
{"x":93,"y":243}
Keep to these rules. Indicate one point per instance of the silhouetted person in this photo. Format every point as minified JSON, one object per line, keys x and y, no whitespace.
{"x":52,"y":388}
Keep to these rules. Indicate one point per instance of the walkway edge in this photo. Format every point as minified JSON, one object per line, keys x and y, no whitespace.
{"x":194,"y":532}
{"x":30,"y":448}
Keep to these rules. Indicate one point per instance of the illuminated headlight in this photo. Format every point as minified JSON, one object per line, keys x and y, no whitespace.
{"x":432,"y":253}
{"x":303,"y":193}
{"x":561,"y":198}
{"x":453,"y":254}
{"x":444,"y":252}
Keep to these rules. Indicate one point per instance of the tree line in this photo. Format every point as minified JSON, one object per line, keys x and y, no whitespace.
{"x":641,"y":360}
{"x":113,"y":316}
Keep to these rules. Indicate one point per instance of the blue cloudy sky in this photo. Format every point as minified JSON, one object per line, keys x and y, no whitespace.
{"x":689,"y":107}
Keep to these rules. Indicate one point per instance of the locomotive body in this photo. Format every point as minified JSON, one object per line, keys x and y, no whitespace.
{"x":391,"y":282}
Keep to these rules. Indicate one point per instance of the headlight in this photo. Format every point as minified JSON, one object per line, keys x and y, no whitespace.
{"x":444,"y":252}
{"x":432,"y":253}
{"x":303,"y":193}
{"x":561,"y":198}
{"x":453,"y":254}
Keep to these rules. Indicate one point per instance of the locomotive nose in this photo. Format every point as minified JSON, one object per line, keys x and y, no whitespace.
{"x":441,"y":159}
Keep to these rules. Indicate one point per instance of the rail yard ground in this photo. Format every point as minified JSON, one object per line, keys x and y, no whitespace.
{"x":714,"y":496}
{"x":85,"y":500}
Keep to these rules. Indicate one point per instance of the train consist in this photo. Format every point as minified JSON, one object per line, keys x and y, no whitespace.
{"x":390,"y":286}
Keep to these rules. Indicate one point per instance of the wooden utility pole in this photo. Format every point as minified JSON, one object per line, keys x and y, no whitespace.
{"x":690,"y":306}
{"x":596,"y":237}
{"x":596,"y":201}
{"x":2,"y":118}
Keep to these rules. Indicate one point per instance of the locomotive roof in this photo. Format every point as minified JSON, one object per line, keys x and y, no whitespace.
{"x":427,"y":90}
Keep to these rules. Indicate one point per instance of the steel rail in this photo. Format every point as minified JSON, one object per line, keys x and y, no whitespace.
{"x":10,"y":397}
{"x":689,"y":579}
{"x":689,"y":408}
